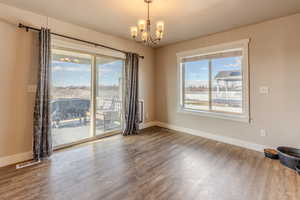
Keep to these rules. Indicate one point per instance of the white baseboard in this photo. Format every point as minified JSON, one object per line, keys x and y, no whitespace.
{"x":16,"y":158}
{"x":148,"y":124}
{"x":224,"y":139}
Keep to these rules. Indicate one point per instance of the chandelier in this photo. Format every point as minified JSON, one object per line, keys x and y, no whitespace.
{"x":144,"y":28}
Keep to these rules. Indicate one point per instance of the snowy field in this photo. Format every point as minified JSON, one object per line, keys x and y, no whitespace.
{"x":223,"y":101}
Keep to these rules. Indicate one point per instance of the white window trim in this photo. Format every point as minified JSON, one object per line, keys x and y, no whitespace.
{"x":241,"y":44}
{"x":59,"y":43}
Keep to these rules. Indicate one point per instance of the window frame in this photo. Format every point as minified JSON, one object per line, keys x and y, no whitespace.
{"x":241,"y":44}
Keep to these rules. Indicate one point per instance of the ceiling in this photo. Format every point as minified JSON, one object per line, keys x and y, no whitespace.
{"x":184,"y":19}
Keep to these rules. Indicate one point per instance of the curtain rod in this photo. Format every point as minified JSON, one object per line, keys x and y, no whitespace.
{"x":76,"y":39}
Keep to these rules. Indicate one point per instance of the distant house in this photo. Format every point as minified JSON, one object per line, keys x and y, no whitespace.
{"x":229,"y":80}
{"x":234,"y":75}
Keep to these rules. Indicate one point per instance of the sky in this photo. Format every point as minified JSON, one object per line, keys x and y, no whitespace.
{"x":72,"y":74}
{"x":196,"y":73}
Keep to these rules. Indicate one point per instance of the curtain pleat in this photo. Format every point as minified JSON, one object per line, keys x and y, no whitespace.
{"x":42,"y":141}
{"x":131,"y":102}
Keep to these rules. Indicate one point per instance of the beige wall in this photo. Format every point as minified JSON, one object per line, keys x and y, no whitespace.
{"x":274,"y":57}
{"x":18,"y":67}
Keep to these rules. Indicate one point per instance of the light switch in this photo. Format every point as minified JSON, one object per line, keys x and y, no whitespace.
{"x":264,"y":90}
{"x":263,"y":133}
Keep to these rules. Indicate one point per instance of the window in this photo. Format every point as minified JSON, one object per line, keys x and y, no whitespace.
{"x":214,"y":81}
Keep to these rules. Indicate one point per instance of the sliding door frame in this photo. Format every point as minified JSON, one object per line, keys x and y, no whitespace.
{"x":93,"y":135}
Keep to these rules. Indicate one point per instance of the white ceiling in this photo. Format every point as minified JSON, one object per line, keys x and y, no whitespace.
{"x":184,"y":19}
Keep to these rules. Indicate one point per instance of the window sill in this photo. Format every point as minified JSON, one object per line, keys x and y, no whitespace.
{"x":226,"y":116}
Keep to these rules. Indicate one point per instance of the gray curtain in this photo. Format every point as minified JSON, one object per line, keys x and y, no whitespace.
{"x":42,"y":141}
{"x":131,"y":102}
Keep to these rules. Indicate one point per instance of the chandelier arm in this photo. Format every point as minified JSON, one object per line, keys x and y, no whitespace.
{"x":157,"y":39}
{"x":153,"y":41}
{"x":138,"y":41}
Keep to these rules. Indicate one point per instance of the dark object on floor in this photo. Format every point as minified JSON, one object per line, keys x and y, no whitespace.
{"x":271,"y":153}
{"x":290,"y":157}
{"x":298,"y":169}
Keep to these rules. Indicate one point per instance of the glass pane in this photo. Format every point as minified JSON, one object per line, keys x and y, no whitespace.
{"x":196,"y":85}
{"x":227,"y":85}
{"x":108,"y":94}
{"x":70,"y":96}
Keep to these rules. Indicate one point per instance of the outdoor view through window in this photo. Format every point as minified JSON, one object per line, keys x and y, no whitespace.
{"x":213,"y":83}
{"x":72,"y":96}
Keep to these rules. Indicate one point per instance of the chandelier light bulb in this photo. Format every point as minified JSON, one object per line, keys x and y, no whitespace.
{"x":144,"y":36}
{"x":160,"y":26}
{"x":134,"y":31}
{"x":159,"y":34}
{"x":142,"y":25}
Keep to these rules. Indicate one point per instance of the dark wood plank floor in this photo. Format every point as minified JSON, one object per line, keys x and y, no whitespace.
{"x":155,"y":165}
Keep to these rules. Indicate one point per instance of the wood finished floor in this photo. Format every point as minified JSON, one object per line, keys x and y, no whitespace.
{"x":155,"y":165}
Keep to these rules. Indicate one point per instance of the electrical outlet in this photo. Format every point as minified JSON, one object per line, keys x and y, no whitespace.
{"x":263,"y":133}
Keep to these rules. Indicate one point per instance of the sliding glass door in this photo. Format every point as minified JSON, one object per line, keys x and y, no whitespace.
{"x":109,"y":73}
{"x":86,"y":96}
